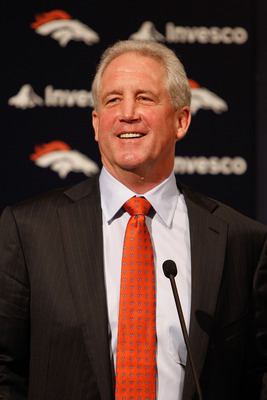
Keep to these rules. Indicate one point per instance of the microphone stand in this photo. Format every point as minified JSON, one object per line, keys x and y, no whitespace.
{"x":185,"y":334}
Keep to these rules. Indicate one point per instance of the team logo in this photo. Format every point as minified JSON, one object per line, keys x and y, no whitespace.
{"x":202,"y":98}
{"x":59,"y":157}
{"x":60,"y":26}
{"x":148,"y":31}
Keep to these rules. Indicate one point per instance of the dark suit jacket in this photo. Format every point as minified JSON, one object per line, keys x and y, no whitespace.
{"x":54,"y":339}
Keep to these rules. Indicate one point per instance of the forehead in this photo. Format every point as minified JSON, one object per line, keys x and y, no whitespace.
{"x":131,"y":66}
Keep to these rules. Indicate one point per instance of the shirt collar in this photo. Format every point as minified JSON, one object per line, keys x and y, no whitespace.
{"x":163,"y":198}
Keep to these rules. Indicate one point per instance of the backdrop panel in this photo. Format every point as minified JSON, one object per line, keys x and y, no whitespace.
{"x":51,"y":51}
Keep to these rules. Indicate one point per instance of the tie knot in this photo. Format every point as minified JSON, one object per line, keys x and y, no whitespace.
{"x":137,"y":206}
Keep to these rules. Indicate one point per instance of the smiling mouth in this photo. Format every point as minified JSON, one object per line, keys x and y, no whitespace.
{"x":131,"y":135}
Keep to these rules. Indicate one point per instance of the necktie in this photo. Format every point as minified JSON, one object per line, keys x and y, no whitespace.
{"x":136,"y":351}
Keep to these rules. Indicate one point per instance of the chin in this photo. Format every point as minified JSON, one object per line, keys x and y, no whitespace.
{"x":131,"y":163}
{"x":127,"y":167}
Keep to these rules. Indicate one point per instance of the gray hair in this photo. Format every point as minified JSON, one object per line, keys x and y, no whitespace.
{"x":176,"y":81}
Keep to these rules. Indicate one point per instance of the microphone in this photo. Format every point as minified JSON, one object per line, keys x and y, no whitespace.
{"x":170,"y":271}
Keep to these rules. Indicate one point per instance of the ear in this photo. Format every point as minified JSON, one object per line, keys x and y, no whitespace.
{"x":183,"y":122}
{"x":95,"y":122}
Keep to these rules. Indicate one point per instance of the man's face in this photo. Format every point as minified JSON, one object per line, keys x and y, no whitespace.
{"x":135,"y":125}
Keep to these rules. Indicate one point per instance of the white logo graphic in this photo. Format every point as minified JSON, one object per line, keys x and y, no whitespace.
{"x":203,"y":98}
{"x":195,"y":34}
{"x":59,"y":156}
{"x":148,"y":31}
{"x":61,"y":27}
{"x":204,"y":34}
{"x":210,"y":165}
{"x":26,"y":98}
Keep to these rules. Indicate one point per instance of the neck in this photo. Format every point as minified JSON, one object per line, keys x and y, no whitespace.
{"x":137,"y":181}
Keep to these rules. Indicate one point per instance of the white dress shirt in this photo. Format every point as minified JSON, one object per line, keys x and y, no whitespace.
{"x":169,"y":230}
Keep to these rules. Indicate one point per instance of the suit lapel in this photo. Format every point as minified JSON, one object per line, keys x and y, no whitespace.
{"x":81,"y":227}
{"x":208,"y":235}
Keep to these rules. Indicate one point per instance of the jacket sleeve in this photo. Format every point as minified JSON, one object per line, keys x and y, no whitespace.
{"x":14,"y":312}
{"x":260,"y":302}
{"x":256,"y":383}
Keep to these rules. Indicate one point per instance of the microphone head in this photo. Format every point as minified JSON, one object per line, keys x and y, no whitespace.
{"x":169,"y":268}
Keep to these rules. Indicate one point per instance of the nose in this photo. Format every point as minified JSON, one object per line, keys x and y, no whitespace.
{"x":129,"y":111}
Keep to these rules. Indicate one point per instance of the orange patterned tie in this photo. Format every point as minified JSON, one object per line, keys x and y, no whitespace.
{"x":136,"y":352}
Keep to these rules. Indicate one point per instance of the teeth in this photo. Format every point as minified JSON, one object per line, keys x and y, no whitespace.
{"x":130,"y":135}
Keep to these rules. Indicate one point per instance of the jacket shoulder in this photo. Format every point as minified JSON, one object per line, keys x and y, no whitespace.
{"x":52,"y":200}
{"x":233,"y":217}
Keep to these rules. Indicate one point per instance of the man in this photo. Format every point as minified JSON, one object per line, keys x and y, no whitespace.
{"x":60,"y":263}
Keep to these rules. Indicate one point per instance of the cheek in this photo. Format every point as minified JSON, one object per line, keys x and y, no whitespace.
{"x":159,"y":119}
{"x":161,"y":128}
{"x":106,"y":122}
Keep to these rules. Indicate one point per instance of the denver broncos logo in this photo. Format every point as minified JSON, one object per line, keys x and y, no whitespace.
{"x":205,"y":99}
{"x":59,"y":156}
{"x":61,"y":27}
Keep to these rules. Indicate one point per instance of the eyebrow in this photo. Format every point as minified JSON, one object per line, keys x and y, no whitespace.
{"x":110,"y":93}
{"x":119,"y":92}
